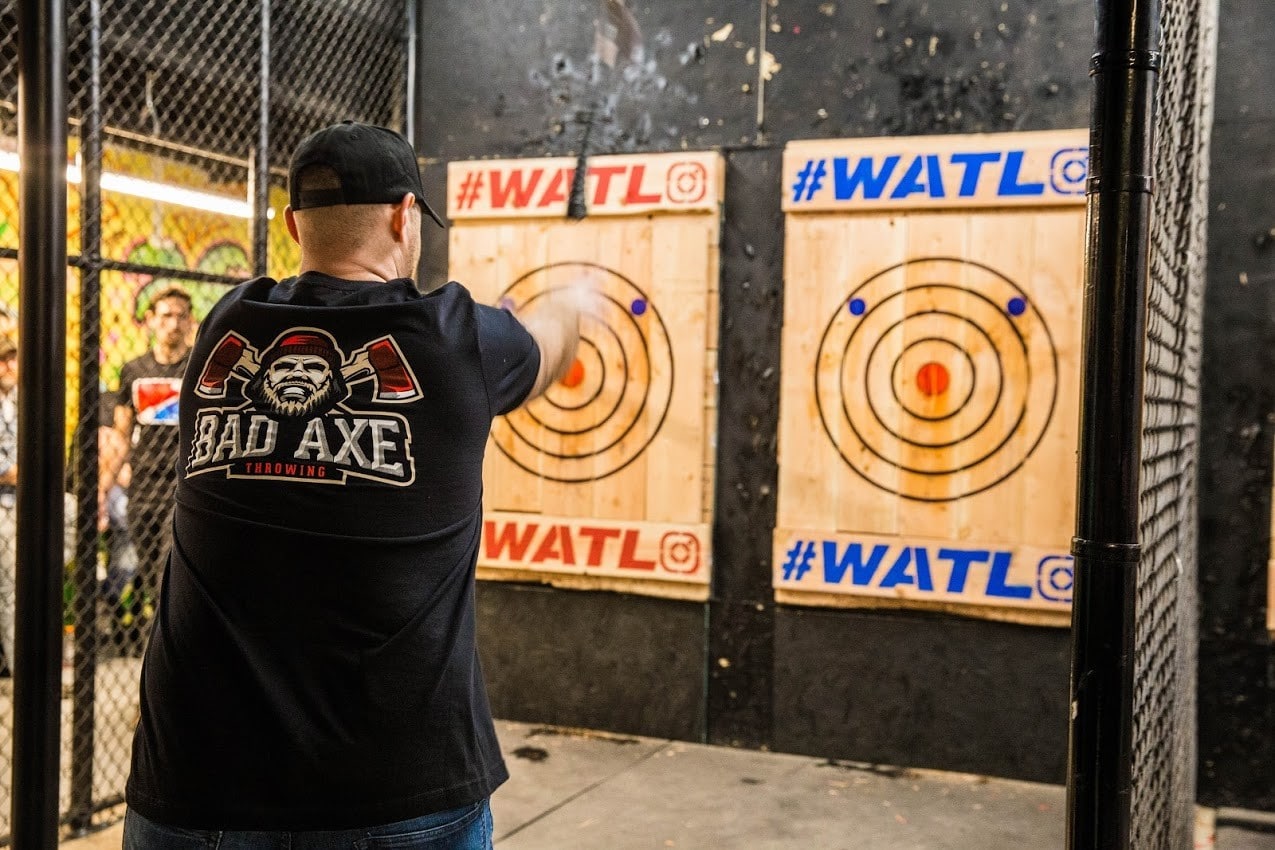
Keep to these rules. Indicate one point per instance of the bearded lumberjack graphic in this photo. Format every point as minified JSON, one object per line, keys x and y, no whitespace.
{"x":304,"y":373}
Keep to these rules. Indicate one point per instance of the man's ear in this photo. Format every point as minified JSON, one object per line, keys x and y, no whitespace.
{"x":402,"y":219}
{"x":291,"y":219}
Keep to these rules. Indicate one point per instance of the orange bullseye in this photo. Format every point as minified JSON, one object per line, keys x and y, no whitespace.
{"x":933,"y":378}
{"x":574,"y":376}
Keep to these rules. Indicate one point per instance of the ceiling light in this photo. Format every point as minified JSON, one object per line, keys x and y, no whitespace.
{"x":162,"y":192}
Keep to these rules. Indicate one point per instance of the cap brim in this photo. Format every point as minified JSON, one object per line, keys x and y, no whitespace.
{"x":425,"y":206}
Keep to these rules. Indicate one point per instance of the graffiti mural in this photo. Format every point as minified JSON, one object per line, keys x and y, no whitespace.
{"x":147,"y":232}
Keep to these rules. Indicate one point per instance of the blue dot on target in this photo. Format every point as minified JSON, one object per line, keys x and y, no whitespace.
{"x":638,"y":306}
{"x":857,"y":306}
{"x":1017,"y":306}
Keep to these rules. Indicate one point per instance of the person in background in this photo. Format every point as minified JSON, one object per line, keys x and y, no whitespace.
{"x":8,"y":484}
{"x":112,"y":524}
{"x":146,"y":418}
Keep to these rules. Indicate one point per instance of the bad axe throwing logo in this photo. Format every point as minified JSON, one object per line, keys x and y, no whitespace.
{"x":293,"y":423}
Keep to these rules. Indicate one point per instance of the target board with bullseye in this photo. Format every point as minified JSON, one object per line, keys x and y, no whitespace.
{"x":938,"y":380}
{"x":605,"y":481}
{"x":930,"y":384}
{"x":615,"y":396}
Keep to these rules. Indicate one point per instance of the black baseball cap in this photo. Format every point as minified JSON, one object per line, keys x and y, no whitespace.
{"x":374,"y":165}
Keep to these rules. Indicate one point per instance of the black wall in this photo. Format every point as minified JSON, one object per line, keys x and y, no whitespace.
{"x":513,"y":79}
{"x":1237,"y":658}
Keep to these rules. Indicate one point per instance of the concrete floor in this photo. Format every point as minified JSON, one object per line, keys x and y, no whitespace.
{"x":1234,"y":838}
{"x":580,"y":790}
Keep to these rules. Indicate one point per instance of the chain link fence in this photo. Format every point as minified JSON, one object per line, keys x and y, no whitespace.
{"x":1166,"y":636}
{"x":165,"y":105}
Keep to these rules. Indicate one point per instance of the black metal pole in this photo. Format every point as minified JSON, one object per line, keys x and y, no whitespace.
{"x":37,"y":673}
{"x":84,"y":694}
{"x":1107,"y":544}
{"x":259,"y":173}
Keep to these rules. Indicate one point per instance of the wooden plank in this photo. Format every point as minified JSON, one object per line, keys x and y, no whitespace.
{"x":867,"y":498}
{"x":1050,"y":474}
{"x":807,"y":493}
{"x":635,"y":331}
{"x":570,"y":245}
{"x":637,"y":587}
{"x":1020,"y":616}
{"x":679,"y":290}
{"x":923,"y":378}
{"x":1035,"y":169}
{"x":712,"y":384}
{"x":1004,"y":242}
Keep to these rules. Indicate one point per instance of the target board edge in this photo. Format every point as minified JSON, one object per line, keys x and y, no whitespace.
{"x":1018,"y":616}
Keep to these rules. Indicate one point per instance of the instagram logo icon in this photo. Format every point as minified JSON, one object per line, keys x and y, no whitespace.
{"x":687,"y":183}
{"x":1055,"y":577}
{"x":1069,"y":171}
{"x":679,"y":552}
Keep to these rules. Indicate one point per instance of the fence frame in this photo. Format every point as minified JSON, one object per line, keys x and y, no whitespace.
{"x":1107,"y":546}
{"x":37,"y":682}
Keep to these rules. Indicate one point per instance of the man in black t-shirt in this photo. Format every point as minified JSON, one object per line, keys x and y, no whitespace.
{"x":146,"y":417}
{"x":313,"y":666}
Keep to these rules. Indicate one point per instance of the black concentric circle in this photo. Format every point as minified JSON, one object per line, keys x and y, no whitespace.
{"x":991,"y":344}
{"x":599,"y":426}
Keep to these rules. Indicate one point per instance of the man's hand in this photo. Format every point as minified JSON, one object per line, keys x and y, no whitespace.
{"x":554,"y":323}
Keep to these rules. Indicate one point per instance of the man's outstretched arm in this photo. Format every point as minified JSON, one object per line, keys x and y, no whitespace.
{"x":555,"y":326}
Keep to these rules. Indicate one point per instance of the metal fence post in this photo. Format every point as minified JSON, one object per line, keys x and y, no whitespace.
{"x":42,"y":147}
{"x":259,"y":171}
{"x":1107,"y":546}
{"x":84,"y":699}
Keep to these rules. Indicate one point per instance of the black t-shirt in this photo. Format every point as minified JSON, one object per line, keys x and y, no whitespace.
{"x":313,"y":662}
{"x":150,"y":389}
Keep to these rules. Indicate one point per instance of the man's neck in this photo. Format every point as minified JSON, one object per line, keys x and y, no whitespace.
{"x":353,"y":268}
{"x":168,"y":355}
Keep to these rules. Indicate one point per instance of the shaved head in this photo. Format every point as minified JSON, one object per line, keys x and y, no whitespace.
{"x":345,"y":230}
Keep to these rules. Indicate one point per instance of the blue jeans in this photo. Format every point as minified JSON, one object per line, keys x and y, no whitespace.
{"x":466,"y":828}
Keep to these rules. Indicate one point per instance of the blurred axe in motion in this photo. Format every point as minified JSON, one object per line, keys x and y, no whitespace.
{"x":617,"y":41}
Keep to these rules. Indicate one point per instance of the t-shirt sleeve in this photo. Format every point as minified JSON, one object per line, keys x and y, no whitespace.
{"x":124,"y":395}
{"x":510,"y":358}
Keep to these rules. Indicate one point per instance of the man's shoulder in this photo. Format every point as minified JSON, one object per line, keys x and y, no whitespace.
{"x":140,"y":364}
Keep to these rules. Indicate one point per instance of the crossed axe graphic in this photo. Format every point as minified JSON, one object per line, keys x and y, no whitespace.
{"x":380,"y":361}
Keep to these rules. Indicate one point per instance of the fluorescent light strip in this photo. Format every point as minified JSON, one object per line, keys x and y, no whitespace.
{"x":138,"y":188}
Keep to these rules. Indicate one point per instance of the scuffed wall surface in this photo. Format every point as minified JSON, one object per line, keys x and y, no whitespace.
{"x":518,"y":79}
{"x":1237,"y":657}
{"x":887,"y":67}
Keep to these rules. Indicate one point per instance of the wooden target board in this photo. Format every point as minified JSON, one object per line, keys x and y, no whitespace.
{"x":929,"y":403}
{"x":606,"y":481}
